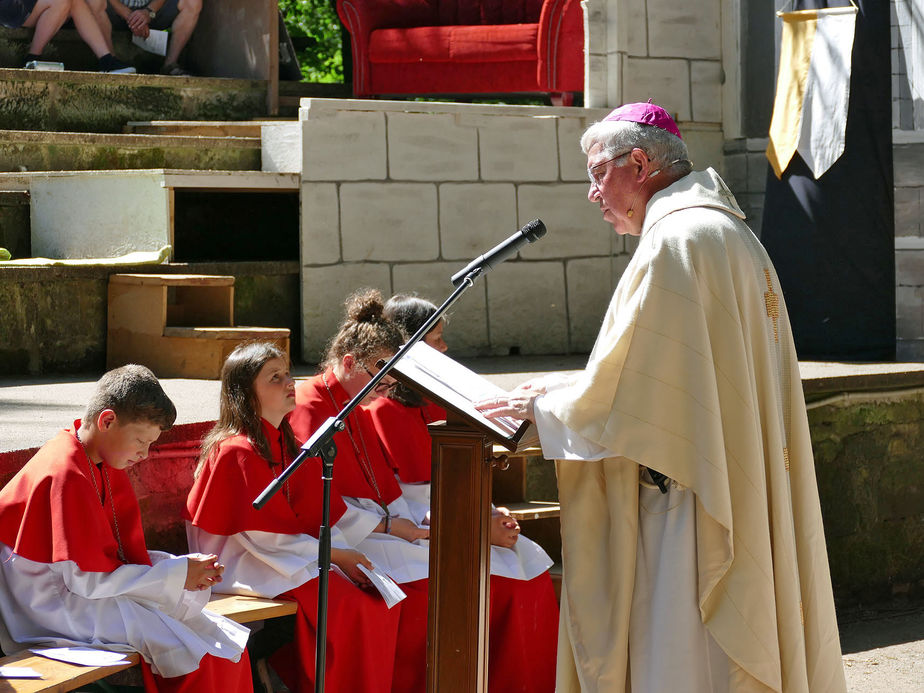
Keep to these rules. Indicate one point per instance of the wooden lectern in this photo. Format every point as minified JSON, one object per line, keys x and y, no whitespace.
{"x":460,"y":504}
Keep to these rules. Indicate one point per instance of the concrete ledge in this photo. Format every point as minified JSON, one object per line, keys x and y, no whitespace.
{"x":821,"y":378}
{"x":27,"y":150}
{"x":96,"y":102}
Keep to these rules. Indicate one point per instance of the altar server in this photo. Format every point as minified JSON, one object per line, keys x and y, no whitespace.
{"x":274,"y":551}
{"x":74,"y":568}
{"x":524,"y":613}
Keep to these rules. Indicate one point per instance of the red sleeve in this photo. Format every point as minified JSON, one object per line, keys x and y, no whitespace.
{"x":221,"y":498}
{"x":404,"y":437}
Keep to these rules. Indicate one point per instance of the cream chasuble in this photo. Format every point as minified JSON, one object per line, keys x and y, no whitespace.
{"x":694,"y":374}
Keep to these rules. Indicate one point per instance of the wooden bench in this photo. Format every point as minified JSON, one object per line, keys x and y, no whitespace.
{"x":178,"y":325}
{"x":61,"y":676}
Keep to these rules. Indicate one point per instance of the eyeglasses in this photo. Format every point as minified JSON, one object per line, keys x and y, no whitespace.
{"x":383,"y":386}
{"x":595,"y":174}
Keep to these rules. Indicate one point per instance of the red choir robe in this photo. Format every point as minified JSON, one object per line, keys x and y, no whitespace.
{"x":361,"y":630}
{"x":51,"y":515}
{"x":317,"y":399}
{"x":523,"y":612}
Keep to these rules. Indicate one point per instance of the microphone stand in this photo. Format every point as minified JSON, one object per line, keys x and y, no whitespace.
{"x":321,"y":444}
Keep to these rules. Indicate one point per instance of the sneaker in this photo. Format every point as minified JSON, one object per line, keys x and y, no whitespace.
{"x":111,"y":64}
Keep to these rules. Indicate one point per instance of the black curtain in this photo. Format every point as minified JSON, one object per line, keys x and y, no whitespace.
{"x":832,"y":240}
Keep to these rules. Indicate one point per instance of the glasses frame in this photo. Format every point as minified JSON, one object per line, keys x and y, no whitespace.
{"x":381,"y":387}
{"x":595,"y":178}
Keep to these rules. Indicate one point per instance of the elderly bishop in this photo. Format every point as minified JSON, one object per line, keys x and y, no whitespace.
{"x":693,"y":549}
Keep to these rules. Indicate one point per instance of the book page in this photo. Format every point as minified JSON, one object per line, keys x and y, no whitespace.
{"x":19,"y":673}
{"x":455,"y":386}
{"x":388,"y":588}
{"x":156,"y":42}
{"x":84,"y":656}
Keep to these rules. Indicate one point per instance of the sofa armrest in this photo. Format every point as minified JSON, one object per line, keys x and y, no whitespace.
{"x":561,"y":46}
{"x":362,"y":17}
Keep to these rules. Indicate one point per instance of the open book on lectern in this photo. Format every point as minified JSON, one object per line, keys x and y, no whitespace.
{"x":453,"y":386}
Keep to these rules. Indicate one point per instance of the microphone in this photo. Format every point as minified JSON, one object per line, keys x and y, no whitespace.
{"x":530,"y":233}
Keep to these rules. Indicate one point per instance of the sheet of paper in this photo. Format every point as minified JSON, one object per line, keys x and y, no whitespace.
{"x":19,"y":673}
{"x":156,"y":42}
{"x":388,"y":588}
{"x":84,"y":656}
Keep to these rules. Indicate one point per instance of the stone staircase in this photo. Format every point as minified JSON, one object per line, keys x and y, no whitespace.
{"x":96,"y":166}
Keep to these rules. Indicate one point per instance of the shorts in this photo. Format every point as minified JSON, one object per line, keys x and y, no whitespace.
{"x":163,"y":20}
{"x":14,"y":12}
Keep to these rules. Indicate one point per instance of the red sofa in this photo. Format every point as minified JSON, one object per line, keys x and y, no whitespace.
{"x":465,"y":46}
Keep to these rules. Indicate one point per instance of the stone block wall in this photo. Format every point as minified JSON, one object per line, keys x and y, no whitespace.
{"x":660,"y":49}
{"x":746,"y":168}
{"x":908,"y":163}
{"x":400,"y":196}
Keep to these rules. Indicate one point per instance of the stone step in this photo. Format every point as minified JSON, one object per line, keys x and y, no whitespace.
{"x":210,"y":128}
{"x":73,"y":101}
{"x":29,"y":150}
{"x":200,"y":215}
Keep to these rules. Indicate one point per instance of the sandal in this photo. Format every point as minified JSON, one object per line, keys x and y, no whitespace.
{"x":174,"y":70}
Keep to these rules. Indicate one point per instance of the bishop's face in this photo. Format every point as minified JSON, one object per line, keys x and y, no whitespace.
{"x":612,"y":187}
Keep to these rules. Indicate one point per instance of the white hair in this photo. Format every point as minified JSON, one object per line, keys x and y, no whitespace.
{"x":665,"y":150}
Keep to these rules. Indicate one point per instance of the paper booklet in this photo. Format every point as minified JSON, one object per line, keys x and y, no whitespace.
{"x":19,"y":673}
{"x":156,"y":42}
{"x":388,"y":588}
{"x":84,"y":656}
{"x":455,"y":387}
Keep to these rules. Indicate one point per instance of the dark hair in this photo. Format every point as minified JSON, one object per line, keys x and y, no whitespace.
{"x":134,"y":394}
{"x":239,"y":413}
{"x":365,"y":332}
{"x":409,"y":312}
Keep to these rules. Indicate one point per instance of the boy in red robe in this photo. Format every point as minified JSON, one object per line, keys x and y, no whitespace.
{"x":74,"y":568}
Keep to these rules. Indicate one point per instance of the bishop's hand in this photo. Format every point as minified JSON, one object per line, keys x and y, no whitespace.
{"x":517,"y":403}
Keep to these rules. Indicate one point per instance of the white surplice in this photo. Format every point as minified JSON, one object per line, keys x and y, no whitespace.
{"x":133,"y":608}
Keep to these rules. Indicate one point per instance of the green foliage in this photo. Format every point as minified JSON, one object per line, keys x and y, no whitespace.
{"x":315,"y":31}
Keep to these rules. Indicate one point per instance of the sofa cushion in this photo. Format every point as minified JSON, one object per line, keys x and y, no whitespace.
{"x":459,"y":44}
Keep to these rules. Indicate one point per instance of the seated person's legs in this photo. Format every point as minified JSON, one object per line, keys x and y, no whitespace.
{"x":182,"y":28}
{"x":180,"y":16}
{"x":46,"y":17}
{"x":85,"y":14}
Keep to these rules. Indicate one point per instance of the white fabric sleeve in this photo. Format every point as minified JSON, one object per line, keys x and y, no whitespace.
{"x":56,"y":604}
{"x":399,"y":508}
{"x":417,"y":497}
{"x":558,"y":442}
{"x":357,"y":523}
{"x":261,"y":564}
{"x":159,"y":586}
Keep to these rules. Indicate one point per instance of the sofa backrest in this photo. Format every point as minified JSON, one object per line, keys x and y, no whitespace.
{"x":453,"y":12}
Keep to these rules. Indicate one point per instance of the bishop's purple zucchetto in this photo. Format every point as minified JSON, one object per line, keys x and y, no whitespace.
{"x":646,"y":114}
